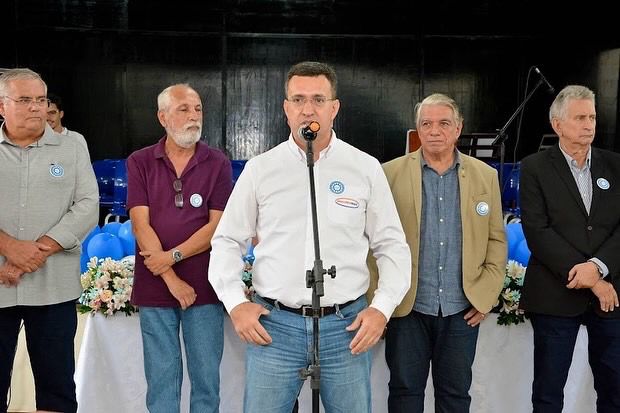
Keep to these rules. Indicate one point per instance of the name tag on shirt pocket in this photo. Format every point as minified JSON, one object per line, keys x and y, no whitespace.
{"x":348,"y":208}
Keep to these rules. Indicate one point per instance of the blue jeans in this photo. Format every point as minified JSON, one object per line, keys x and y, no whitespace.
{"x":272,"y":372}
{"x":414,"y":341}
{"x":50,"y":331}
{"x":203,"y":336}
{"x":554,"y":342}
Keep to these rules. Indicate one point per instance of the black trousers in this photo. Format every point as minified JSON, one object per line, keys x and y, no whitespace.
{"x":50,"y":332}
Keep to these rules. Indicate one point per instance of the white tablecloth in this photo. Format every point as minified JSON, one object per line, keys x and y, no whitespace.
{"x":110,"y":375}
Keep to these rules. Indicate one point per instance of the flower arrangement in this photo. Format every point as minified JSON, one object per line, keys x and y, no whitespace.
{"x":107,"y":285}
{"x":508,"y":302}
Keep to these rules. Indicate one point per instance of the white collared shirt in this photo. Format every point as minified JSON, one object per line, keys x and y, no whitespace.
{"x":356,"y":211}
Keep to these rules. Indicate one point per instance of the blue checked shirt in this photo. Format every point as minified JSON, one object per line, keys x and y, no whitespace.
{"x":440,"y":279}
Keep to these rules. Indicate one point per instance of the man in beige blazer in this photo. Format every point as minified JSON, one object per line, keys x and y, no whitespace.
{"x":450,"y":208}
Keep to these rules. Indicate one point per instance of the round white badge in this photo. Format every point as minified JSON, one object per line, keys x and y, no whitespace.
{"x":603,"y":183}
{"x":482,"y":208}
{"x":56,"y":170}
{"x":195,"y":200}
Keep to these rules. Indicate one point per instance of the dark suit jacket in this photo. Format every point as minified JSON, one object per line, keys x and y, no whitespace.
{"x":560,"y":233}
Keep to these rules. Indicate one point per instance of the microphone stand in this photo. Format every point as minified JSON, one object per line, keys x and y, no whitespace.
{"x":314,"y":280}
{"x":501,"y":136}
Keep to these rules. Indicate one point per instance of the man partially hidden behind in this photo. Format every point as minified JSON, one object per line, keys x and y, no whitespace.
{"x":176,"y":192}
{"x":49,"y":203}
{"x":570,"y":198}
{"x":55,"y":114}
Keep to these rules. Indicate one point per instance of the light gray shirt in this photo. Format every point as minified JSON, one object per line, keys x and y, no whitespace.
{"x":48,"y":188}
{"x":76,"y":135}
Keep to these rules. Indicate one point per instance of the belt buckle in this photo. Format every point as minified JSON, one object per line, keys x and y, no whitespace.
{"x":306,"y":311}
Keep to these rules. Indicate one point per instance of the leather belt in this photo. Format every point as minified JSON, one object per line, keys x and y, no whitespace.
{"x":306,"y":310}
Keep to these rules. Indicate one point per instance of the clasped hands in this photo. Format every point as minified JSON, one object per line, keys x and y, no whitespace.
{"x":586,"y":275}
{"x":22,"y":257}
{"x":157,"y":262}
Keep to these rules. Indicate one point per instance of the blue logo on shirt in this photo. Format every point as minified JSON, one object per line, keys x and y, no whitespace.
{"x":336,"y":187}
{"x":56,"y":170}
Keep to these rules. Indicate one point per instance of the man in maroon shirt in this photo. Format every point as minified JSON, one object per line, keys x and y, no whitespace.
{"x":176,"y":192}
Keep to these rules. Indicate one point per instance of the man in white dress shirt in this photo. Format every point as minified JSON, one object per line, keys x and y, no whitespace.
{"x":356,"y":212}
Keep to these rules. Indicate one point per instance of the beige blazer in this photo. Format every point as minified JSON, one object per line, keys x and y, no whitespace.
{"x":484,"y":239}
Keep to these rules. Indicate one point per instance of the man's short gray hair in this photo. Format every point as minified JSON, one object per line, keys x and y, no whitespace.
{"x":571,"y":92}
{"x":439,"y":99}
{"x":163,"y":99}
{"x":10,"y":75}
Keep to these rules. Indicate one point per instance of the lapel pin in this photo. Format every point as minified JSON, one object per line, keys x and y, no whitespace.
{"x":602,"y":183}
{"x":482,"y":208}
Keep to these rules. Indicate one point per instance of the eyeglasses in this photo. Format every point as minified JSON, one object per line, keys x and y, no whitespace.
{"x":27,"y":101}
{"x":178,"y":197}
{"x":316,"y":101}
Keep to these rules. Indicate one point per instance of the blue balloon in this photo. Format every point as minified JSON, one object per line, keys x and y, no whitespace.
{"x":105,"y":245}
{"x":91,"y":234}
{"x":514,"y":236}
{"x":111,"y":227}
{"x":522,"y":254}
{"x":125,"y":233}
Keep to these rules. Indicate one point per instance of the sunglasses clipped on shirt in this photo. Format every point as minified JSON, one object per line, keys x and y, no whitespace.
{"x":178,"y":196}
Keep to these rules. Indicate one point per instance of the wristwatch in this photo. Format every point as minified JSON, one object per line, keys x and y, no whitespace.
{"x":598,"y":268}
{"x":177,"y":256}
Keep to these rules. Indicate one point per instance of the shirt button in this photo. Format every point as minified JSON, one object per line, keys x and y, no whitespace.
{"x":21,"y":229}
{"x":441,"y":290}
{"x":589,"y":227}
{"x":440,"y":219}
{"x":440,"y":268}
{"x":441,"y":198}
{"x":441,"y":243}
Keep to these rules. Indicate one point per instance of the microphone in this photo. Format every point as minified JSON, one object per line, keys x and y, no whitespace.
{"x":309,"y":131}
{"x":544,"y":79}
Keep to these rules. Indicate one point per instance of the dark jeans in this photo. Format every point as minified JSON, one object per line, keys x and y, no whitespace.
{"x":50,"y":331}
{"x":416,"y":340}
{"x":554,"y":342}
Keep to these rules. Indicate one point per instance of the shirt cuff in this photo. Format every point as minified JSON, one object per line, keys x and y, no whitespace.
{"x":601,"y":265}
{"x":384,"y":305}
{"x":230,"y":301}
{"x":65,"y":239}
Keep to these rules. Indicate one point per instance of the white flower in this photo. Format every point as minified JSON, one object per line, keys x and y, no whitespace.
{"x":508,"y":301}
{"x":107,"y":286}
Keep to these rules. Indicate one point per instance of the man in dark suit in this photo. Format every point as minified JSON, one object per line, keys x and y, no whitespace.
{"x":570,"y":198}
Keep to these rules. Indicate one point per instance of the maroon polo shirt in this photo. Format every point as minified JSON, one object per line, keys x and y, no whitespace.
{"x":207,"y":183}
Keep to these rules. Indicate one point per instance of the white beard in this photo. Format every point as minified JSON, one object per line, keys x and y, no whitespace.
{"x":186,"y":138}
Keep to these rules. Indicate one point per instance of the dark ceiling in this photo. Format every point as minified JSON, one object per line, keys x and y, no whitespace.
{"x":333,"y":17}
